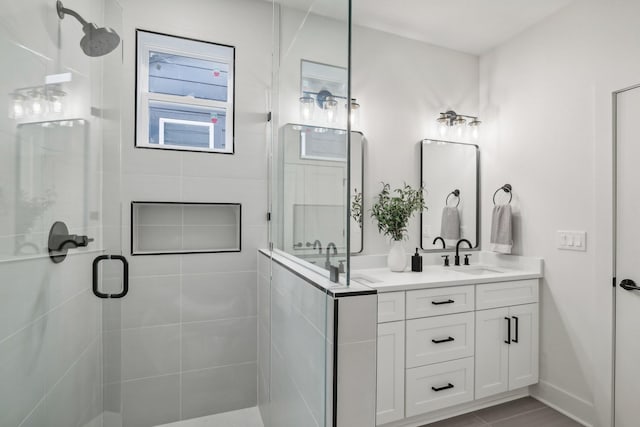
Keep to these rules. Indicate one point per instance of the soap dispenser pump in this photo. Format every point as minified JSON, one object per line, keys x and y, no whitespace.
{"x":416,"y":262}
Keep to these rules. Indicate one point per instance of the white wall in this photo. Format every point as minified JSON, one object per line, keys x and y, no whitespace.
{"x":402,"y":86}
{"x":546,"y":102}
{"x":192,"y":318}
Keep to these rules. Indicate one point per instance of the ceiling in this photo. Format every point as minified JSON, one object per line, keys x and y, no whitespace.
{"x":472,"y":26}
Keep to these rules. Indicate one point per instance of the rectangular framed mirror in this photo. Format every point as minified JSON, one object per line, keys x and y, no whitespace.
{"x":314,"y":193}
{"x":450,"y":173}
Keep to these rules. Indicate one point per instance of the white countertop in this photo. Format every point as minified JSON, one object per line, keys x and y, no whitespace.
{"x":432,"y":276}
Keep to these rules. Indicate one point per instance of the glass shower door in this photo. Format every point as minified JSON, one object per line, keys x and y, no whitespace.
{"x":59,"y":164}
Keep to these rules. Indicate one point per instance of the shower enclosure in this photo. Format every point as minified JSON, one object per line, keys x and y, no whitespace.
{"x":59,"y":163}
{"x":92,"y":334}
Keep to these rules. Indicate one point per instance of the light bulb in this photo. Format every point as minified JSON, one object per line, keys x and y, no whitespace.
{"x":306,"y":107}
{"x":18,"y":109}
{"x":443,"y":128}
{"x":330,"y":106}
{"x":475,"y":126}
{"x":56,"y":106}
{"x":355,"y":113}
{"x":36,"y":107}
{"x":460,"y":130}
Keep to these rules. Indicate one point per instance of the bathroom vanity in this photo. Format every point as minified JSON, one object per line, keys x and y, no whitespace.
{"x":452,"y":338}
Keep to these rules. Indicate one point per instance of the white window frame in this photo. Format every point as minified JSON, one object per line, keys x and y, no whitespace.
{"x":210,"y":127}
{"x":144,"y":98}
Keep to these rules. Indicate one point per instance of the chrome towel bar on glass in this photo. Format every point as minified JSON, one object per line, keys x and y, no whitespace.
{"x":507,"y":189}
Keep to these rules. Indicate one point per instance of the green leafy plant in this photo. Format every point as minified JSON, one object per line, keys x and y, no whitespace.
{"x":356,"y":207}
{"x":394,"y":208}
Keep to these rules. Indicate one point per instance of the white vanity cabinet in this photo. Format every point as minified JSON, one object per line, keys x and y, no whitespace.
{"x":445,"y":346}
{"x":391,"y":345}
{"x":506,"y":349}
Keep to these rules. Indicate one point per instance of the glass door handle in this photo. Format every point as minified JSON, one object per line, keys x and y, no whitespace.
{"x":125,"y":276}
{"x":629,"y":285}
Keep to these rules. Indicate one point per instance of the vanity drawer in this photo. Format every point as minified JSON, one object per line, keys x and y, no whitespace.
{"x":390,"y":306}
{"x":504,"y":294}
{"x":438,"y":301}
{"x":438,"y":339}
{"x":439,"y":386}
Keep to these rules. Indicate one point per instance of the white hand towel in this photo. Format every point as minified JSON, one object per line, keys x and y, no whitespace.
{"x":450,"y":224}
{"x":501,"y":232}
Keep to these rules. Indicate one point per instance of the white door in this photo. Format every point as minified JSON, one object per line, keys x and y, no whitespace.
{"x":523,"y":350}
{"x":627,"y":273}
{"x":390,"y":398}
{"x":492,"y":352}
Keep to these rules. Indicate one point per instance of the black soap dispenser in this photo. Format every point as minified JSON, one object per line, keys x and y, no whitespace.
{"x":416,"y":262}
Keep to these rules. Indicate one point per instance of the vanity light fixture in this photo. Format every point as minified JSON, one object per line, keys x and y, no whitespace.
{"x":328,"y":104}
{"x":459,"y":122}
{"x":37,"y":101}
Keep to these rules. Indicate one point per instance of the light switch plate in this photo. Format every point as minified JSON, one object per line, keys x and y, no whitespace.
{"x":572,"y":240}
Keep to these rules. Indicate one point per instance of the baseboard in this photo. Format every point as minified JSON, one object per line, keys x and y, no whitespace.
{"x":564,"y":402}
{"x":462,"y":409}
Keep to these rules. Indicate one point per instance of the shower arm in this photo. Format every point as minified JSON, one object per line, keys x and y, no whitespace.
{"x":62,"y":11}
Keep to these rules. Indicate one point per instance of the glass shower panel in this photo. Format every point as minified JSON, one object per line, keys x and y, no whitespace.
{"x":60,"y":109}
{"x":311,"y":197}
{"x":309,"y":205}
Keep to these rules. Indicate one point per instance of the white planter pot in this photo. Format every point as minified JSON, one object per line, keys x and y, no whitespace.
{"x":397,"y":258}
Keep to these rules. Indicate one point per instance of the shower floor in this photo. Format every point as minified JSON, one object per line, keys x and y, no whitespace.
{"x":249,"y":417}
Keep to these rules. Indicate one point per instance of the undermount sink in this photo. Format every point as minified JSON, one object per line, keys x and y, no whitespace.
{"x":477,"y":270}
{"x":365,"y":280}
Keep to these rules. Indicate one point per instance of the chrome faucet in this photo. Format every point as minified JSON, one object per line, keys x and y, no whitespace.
{"x":316,"y":245}
{"x":327,"y":263}
{"x":457,"y":258}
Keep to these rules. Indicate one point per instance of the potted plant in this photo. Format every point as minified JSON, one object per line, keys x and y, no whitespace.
{"x":392,"y":211}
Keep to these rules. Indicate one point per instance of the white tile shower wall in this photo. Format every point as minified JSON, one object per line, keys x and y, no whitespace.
{"x":194,"y":317}
{"x":565,"y":63}
{"x":264,"y":337}
{"x":301,"y":353}
{"x":293,"y":369}
{"x":50,"y":349}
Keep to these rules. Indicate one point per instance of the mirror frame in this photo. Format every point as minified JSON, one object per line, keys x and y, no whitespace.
{"x":478,"y":200}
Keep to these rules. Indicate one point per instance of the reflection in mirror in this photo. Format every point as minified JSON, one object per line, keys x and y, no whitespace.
{"x":450,"y":177}
{"x":55,"y":177}
{"x":313,"y":192}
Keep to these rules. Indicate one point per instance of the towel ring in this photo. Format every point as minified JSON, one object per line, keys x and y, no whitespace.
{"x":454,"y":193}
{"x":507,"y":189}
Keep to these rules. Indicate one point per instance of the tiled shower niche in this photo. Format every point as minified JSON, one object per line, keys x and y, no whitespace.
{"x":181,"y":228}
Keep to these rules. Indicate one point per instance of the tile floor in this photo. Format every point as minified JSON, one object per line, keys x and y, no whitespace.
{"x":525,"y":412}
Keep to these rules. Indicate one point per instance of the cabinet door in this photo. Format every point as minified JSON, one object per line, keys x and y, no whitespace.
{"x":390,"y":382}
{"x":523,"y":351}
{"x":492,"y":352}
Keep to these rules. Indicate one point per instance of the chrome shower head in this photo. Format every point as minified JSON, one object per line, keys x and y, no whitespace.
{"x":97,"y":41}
